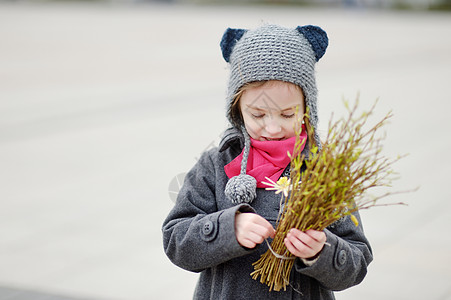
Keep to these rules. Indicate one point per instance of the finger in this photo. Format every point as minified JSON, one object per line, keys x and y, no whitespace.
{"x":319,"y":236}
{"x":297,"y":248}
{"x":252,"y":234}
{"x":264,"y":223}
{"x":255,"y":237}
{"x":263,"y":232}
{"x":316,"y":243}
{"x":295,"y":231}
{"x":261,"y":226}
{"x":273,"y":233}
{"x":253,"y":227}
{"x":249,"y":239}
{"x":302,"y":249}
{"x":291,"y":248}
{"x":298,"y":243}
{"x":312,"y":238}
{"x":247,"y":243}
{"x":298,"y":237}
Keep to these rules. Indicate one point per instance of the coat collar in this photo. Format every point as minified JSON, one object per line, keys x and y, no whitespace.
{"x":232,"y":137}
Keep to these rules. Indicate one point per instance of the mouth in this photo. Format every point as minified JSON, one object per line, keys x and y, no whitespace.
{"x":271,"y":139}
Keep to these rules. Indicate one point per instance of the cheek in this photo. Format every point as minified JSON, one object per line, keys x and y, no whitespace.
{"x":253,"y":126}
{"x":253,"y":129}
{"x":291,"y":127}
{"x":296,"y":126}
{"x":251,"y":122}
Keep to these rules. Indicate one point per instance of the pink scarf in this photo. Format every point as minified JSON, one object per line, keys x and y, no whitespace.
{"x":266,"y":159}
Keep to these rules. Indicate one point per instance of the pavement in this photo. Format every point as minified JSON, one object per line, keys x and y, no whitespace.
{"x":103,"y":105}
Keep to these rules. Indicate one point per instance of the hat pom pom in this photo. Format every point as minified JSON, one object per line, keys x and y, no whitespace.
{"x":241,"y":189}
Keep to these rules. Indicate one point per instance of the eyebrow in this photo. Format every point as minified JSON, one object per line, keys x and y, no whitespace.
{"x":263,"y":109}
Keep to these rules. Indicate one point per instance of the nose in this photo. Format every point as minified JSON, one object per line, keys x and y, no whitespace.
{"x":272,"y":127}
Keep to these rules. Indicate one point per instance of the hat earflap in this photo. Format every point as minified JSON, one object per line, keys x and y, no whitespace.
{"x":228,"y":41}
{"x":317,"y":38}
{"x":242,"y":188}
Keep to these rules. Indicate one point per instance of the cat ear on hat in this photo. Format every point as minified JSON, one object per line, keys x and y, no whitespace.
{"x":228,"y":41}
{"x":316,"y":37}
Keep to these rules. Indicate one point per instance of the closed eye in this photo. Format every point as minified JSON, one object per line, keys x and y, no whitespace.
{"x":288,"y":116}
{"x":257,"y":116}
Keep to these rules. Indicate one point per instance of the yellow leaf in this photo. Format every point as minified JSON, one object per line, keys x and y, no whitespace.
{"x":354,"y":220}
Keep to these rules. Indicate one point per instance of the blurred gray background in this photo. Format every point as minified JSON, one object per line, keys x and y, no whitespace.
{"x":103,"y":104}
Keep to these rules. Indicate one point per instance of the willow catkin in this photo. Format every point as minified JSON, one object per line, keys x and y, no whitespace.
{"x":334,"y":182}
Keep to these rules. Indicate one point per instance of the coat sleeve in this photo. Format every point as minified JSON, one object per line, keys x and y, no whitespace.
{"x":196,"y":235}
{"x":344,"y":259}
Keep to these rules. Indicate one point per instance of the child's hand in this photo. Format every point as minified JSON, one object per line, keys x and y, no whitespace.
{"x":305,"y":244}
{"x":252,"y":229}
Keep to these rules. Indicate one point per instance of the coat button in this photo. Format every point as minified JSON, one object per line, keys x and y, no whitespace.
{"x":342,"y":257}
{"x":208,"y":227}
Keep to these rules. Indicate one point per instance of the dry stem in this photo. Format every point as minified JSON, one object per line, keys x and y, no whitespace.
{"x":334,"y":185}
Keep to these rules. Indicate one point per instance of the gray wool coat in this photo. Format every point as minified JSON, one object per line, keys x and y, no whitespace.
{"x":199,"y":236}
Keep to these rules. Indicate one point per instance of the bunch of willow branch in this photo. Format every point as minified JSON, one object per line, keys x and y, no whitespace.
{"x":334,"y":185}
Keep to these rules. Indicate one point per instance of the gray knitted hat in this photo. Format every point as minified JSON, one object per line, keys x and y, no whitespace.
{"x":271,"y":52}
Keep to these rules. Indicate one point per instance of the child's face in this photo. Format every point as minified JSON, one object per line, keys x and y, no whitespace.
{"x":269,"y":111}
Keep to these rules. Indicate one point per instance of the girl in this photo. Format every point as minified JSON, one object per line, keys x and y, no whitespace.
{"x":224,"y":214}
